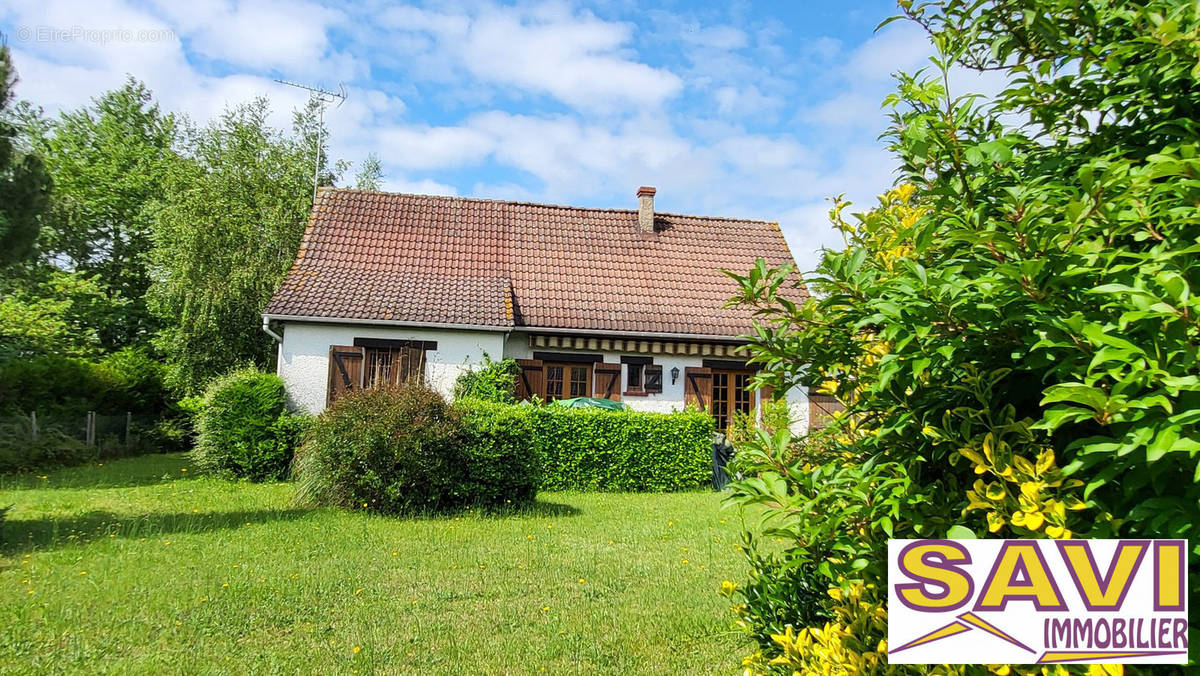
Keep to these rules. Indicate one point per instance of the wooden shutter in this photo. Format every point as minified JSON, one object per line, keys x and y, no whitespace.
{"x":607,"y":382}
{"x":767,"y":393}
{"x":697,"y":388}
{"x":652,"y":379}
{"x":345,"y":371}
{"x":529,"y":380}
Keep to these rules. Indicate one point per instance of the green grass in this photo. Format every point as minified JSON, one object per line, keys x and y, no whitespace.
{"x":137,"y":565}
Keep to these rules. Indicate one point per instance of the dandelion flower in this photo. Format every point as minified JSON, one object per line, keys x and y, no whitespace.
{"x":544,"y":608}
{"x":83,"y":572}
{"x":29,"y":592}
{"x":582,"y":581}
{"x":357,"y":592}
{"x":684,"y":561}
{"x":357,"y":650}
{"x":395,"y":553}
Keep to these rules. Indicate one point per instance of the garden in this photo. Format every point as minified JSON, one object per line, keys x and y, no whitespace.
{"x":1011,"y":329}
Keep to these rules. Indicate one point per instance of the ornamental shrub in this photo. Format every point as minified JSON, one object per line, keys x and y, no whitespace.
{"x":491,"y":381}
{"x":389,"y":450}
{"x":1013,"y":329}
{"x":243,"y":427}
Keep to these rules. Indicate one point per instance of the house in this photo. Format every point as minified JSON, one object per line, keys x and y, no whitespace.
{"x":627,"y":304}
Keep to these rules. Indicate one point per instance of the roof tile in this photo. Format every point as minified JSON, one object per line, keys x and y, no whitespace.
{"x":448,"y":260}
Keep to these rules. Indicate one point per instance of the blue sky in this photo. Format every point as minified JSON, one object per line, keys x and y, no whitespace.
{"x":753,"y":109}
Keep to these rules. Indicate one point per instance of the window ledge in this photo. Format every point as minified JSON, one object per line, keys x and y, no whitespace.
{"x":635,"y":394}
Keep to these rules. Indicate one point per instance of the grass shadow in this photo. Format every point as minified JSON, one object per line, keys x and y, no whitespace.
{"x":18,"y":536}
{"x":145,"y":470}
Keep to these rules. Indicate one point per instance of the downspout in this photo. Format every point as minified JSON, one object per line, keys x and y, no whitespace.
{"x":266,"y":327}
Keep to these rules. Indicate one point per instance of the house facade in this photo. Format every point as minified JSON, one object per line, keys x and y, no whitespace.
{"x":625,"y":304}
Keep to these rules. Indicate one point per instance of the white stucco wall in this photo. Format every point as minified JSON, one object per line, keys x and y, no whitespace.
{"x":671,"y":398}
{"x":304,"y":355}
{"x":304,"y":363}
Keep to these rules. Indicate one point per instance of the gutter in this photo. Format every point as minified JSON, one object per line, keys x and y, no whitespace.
{"x":500,"y":329}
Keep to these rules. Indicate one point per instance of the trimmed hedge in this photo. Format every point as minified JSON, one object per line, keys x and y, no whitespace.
{"x":594,"y":449}
{"x":500,"y":468}
{"x":243,"y":427}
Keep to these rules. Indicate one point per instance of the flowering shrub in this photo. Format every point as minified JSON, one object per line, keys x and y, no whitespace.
{"x":1013,"y":330}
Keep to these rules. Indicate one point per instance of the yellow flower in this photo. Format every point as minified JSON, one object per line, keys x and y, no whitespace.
{"x":395,"y":553}
{"x":83,"y":572}
{"x":357,"y":650}
{"x":684,"y":561}
{"x":727,"y":587}
{"x":545,"y":608}
{"x":357,"y":592}
{"x":582,"y":581}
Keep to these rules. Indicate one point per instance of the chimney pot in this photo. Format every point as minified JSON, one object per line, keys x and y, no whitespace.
{"x":645,"y":196}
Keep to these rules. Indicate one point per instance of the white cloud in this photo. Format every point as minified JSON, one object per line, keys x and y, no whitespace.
{"x":548,"y":49}
{"x":536,"y":102}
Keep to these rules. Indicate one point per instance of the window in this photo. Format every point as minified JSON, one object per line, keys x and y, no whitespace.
{"x":568,"y":381}
{"x":730,"y":394}
{"x":393,"y":366}
{"x":634,"y":377}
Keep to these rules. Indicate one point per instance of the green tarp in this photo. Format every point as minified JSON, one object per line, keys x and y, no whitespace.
{"x":590,"y":402}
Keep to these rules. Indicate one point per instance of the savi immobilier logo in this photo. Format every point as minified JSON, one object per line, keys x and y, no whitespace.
{"x":1037,"y":601}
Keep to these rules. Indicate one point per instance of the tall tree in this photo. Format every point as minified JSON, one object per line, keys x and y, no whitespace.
{"x":370,"y":174}
{"x":24,"y":184}
{"x":109,"y":162}
{"x":228,"y":229}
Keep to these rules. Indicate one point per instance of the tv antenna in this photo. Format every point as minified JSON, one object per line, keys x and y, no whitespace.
{"x":323,"y":98}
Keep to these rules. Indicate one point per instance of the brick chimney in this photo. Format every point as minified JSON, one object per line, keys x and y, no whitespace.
{"x":646,"y":209}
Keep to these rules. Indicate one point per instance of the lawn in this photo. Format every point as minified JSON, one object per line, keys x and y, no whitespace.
{"x":137,"y":565}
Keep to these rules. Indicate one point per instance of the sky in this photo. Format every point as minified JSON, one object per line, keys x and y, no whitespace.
{"x":742,"y":109}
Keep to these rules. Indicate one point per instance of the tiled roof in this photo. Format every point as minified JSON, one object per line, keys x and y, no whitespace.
{"x":448,"y":260}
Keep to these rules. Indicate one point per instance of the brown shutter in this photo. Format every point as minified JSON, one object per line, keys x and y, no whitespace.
{"x":697,"y":388}
{"x":767,"y":392}
{"x":607,"y":382}
{"x":529,"y":380}
{"x":652,"y":379}
{"x":345,"y":371}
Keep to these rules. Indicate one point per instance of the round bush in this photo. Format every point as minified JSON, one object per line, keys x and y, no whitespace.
{"x":243,"y":428}
{"x":390,"y":450}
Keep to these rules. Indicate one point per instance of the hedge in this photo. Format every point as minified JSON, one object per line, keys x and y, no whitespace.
{"x":244,"y":429}
{"x":593,"y":449}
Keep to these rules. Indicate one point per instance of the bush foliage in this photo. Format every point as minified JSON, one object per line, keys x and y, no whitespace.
{"x":124,"y":381}
{"x":243,"y":427}
{"x":405,"y":450}
{"x":594,"y":449}
{"x":492,"y":381}
{"x":1014,"y":329}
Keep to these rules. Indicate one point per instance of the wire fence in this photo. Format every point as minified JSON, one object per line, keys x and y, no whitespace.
{"x":91,"y":428}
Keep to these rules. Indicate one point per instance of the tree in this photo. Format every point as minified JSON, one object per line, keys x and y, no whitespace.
{"x":109,"y":162}
{"x":1014,"y":329}
{"x":228,"y":229}
{"x":24,"y":184}
{"x":370,"y":175}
